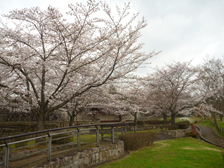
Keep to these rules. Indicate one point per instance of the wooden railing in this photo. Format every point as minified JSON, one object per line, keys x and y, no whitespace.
{"x":42,"y":143}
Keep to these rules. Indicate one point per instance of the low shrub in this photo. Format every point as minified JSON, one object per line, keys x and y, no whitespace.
{"x":157,"y":122}
{"x":183,"y":124}
{"x":51,"y":125}
{"x":192,"y":134}
{"x":23,"y":126}
{"x":62,"y":138}
{"x":140,"y":123}
{"x":163,"y":128}
{"x":172,"y":127}
{"x":185,"y":119}
{"x":137,"y":140}
{"x":27,"y":126}
{"x":169,"y":127}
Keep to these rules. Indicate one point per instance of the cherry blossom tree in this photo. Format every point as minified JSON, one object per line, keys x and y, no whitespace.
{"x":173,"y":89}
{"x":53,"y":61}
{"x":4,"y":95}
{"x":212,"y":77}
{"x":132,"y":96}
{"x":181,"y":88}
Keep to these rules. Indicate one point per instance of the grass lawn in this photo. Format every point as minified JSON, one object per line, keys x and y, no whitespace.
{"x":175,"y":153}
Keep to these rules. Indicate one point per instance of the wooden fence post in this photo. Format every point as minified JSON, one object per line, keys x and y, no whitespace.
{"x":49,"y":141}
{"x":112,"y":134}
{"x":116,"y":133}
{"x":97,"y":137}
{"x":78,"y":140}
{"x":101,"y":132}
{"x":6,"y":157}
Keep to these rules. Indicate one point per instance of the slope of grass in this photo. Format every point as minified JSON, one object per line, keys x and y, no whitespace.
{"x":175,"y":153}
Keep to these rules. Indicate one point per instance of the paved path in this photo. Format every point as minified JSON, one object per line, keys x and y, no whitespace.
{"x":209,"y":134}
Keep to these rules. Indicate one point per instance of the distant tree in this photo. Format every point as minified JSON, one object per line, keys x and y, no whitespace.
{"x":212,"y":77}
{"x":174,"y":89}
{"x":48,"y":56}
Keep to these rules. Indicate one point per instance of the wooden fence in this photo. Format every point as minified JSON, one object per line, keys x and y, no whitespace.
{"x":41,"y":146}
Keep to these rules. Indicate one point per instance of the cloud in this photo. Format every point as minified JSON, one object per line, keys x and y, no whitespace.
{"x":169,"y":28}
{"x":183,"y":30}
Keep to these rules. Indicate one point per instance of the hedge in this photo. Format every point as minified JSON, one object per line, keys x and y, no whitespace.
{"x":137,"y":140}
{"x":28,"y":126}
{"x":169,"y":127}
{"x":183,"y":124}
{"x":157,"y":122}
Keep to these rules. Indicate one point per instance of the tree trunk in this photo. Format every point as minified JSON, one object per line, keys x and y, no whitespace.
{"x":220,"y":116}
{"x":40,"y":126}
{"x":40,"y":122}
{"x":173,"y":117}
{"x":71,"y":120}
{"x":215,"y":121}
{"x":135,"y":118}
{"x":164,"y":117}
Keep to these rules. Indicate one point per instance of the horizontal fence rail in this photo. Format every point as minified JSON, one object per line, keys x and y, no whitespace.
{"x":42,"y":145}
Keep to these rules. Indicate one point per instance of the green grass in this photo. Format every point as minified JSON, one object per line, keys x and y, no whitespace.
{"x":175,"y":153}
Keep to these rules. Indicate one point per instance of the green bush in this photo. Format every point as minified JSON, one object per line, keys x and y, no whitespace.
{"x":140,"y":123}
{"x":137,"y":140}
{"x":27,"y":126}
{"x":51,"y":125}
{"x":172,"y":127}
{"x":62,"y":138}
{"x":183,"y":124}
{"x":163,"y":128}
{"x":157,"y":122}
{"x":169,"y":127}
{"x":23,"y":126}
{"x":165,"y":122}
{"x":193,"y":134}
{"x":185,"y":119}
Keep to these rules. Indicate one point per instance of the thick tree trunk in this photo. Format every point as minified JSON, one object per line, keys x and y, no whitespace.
{"x":135,"y":118}
{"x":71,"y":120}
{"x":40,"y":122}
{"x":164,"y":117}
{"x":173,"y":117}
{"x":40,"y":126}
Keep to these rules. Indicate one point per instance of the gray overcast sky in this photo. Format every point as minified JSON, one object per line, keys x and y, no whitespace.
{"x":183,"y":30}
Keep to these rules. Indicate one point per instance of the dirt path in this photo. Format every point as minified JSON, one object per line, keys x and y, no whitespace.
{"x":209,"y":134}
